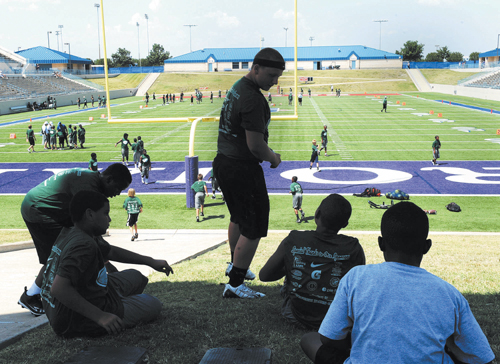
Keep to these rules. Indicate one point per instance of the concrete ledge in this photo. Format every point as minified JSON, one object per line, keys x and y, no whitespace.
{"x":4,"y":248}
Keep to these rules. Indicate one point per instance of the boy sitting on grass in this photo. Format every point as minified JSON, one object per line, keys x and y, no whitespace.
{"x":397,"y":312}
{"x":79,"y":296}
{"x":313,"y":263}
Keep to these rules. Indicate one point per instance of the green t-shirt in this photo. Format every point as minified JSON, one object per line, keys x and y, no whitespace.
{"x":60,"y":133}
{"x":385,"y":102}
{"x":124,"y":143}
{"x":244,"y":108}
{"x":134,"y":147}
{"x":436,"y":144}
{"x":140,"y":145}
{"x":133,"y":205}
{"x":199,"y":186}
{"x":30,"y":133}
{"x":145,"y":160}
{"x":49,"y":201}
{"x":80,"y":258}
{"x":314,"y":148}
{"x":93,"y":164}
{"x":295,"y":187}
{"x":324,"y":135}
{"x":52,"y":132}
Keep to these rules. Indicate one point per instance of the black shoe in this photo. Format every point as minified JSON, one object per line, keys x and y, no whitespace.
{"x":197,"y":219}
{"x":298,"y":221}
{"x":303,"y":215}
{"x":32,"y":303}
{"x":201,"y":214}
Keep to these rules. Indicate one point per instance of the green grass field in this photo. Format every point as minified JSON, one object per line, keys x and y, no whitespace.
{"x":195,"y":318}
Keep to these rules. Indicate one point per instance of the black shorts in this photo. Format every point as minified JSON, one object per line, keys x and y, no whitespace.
{"x":44,"y":236}
{"x":314,"y":157}
{"x":31,"y":140}
{"x":244,"y":188}
{"x":132,"y":219}
{"x":328,"y":355}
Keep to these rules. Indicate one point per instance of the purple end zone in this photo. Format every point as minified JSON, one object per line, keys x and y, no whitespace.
{"x":344,"y":177}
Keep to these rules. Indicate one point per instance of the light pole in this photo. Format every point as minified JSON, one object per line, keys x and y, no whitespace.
{"x":97,"y":6}
{"x":498,"y":38}
{"x":380,"y":39}
{"x":60,"y":32}
{"x":48,"y":39}
{"x":138,"y":45}
{"x":311,"y":39}
{"x":286,"y":35}
{"x":147,"y":28}
{"x":57,"y":37}
{"x":69,"y":50}
{"x":190,"y":26}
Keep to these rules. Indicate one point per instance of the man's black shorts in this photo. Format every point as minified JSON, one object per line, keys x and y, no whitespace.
{"x":244,"y":188}
{"x":44,"y":236}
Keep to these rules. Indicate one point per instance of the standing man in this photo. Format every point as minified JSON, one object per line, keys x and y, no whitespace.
{"x":384,"y":105}
{"x":145,"y":166}
{"x":436,"y":145}
{"x":81,"y":135}
{"x":92,"y":100}
{"x":241,"y":147}
{"x":211,"y":97}
{"x":147,"y":98}
{"x":30,"y":138}
{"x":220,"y":94}
{"x":45,"y":210}
{"x":85,"y":102}
{"x":324,"y":139}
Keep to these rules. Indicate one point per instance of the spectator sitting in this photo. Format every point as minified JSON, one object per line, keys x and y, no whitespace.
{"x":398,"y":312}
{"x":313,"y":262}
{"x":80,"y":297}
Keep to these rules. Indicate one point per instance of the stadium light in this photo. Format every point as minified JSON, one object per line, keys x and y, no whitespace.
{"x":57,"y":37}
{"x":69,"y":50}
{"x":498,"y":38}
{"x":48,"y":39}
{"x":380,"y":38}
{"x":147,"y":28}
{"x":97,"y":6}
{"x":286,"y":35}
{"x":311,"y":39}
{"x":138,"y":44}
{"x":60,"y":32}
{"x":190,"y":26}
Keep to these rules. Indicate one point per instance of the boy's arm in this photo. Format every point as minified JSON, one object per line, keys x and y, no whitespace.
{"x":126,"y":256}
{"x":274,"y":268}
{"x":259,"y":148}
{"x":205,"y":187}
{"x":64,"y":292}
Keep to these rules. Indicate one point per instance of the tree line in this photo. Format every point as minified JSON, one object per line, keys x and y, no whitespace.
{"x":413,"y":51}
{"x":122,"y":58}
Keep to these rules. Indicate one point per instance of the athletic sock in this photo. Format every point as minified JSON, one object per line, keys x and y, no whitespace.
{"x":232,"y":256}
{"x":297,"y":216}
{"x":237,"y":276}
{"x":34,"y":289}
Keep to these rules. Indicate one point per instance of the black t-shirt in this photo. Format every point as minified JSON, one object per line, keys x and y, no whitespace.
{"x":244,"y":108}
{"x":79,"y":258}
{"x":314,"y":265}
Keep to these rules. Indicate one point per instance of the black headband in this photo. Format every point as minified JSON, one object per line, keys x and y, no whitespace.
{"x":268,"y":63}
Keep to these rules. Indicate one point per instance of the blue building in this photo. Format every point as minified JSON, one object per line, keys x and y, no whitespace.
{"x":47,"y":58}
{"x":308,"y":58}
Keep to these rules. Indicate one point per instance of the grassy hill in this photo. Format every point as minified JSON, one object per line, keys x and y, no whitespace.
{"x":445,"y":77}
{"x":129,"y":80}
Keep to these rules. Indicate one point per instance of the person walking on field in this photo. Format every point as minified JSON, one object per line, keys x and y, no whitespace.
{"x":384,"y":105}
{"x":124,"y":142}
{"x":436,"y":145}
{"x":241,"y":146}
{"x":200,"y":188}
{"x":30,"y":138}
{"x":314,"y":156}
{"x":133,"y":205}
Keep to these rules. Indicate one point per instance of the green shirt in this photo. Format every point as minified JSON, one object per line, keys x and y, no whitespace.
{"x":199,"y":186}
{"x":49,"y":201}
{"x":324,"y":135}
{"x":30,"y":133}
{"x":436,"y":144}
{"x":140,"y":146}
{"x":124,"y":143}
{"x":295,"y":187}
{"x":314,"y":148}
{"x":385,"y":102}
{"x":134,"y":147}
{"x":93,"y":164}
{"x":133,"y":205}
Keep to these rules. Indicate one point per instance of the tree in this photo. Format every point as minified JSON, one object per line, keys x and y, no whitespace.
{"x":443,"y":53}
{"x":157,"y":56}
{"x":474,"y":56}
{"x":455,"y":57}
{"x":411,"y":51}
{"x":433,"y":57}
{"x":121,"y":58}
{"x":100,"y":61}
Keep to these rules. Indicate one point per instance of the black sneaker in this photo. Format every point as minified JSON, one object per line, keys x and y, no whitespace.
{"x":303,"y":215}
{"x":132,"y":238}
{"x":201,"y":214}
{"x":298,"y":221}
{"x":197,"y":219}
{"x":32,"y":303}
{"x":136,"y":235}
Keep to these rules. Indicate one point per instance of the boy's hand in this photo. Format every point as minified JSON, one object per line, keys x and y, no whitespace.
{"x":112,"y":323}
{"x":162,"y":266}
{"x":277,"y":161}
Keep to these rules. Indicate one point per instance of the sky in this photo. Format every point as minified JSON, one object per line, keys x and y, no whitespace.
{"x":462,"y":25}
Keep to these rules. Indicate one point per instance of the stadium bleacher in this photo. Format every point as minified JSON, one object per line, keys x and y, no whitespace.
{"x":490,"y":80}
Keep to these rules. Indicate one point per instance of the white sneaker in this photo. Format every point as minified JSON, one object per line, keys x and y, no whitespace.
{"x":249,"y":276}
{"x":242,"y":291}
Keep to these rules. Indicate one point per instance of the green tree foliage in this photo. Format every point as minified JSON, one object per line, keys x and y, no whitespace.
{"x":433,"y":57}
{"x":444,"y":53}
{"x":474,"y":56}
{"x":411,"y":51}
{"x":121,"y":58}
{"x":100,"y":61}
{"x":455,"y":57}
{"x":156,"y":56}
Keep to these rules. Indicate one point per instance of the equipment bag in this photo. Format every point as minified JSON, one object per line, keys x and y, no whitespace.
{"x":368,"y":192}
{"x":452,"y":206}
{"x":397,"y":195}
{"x":373,"y":205}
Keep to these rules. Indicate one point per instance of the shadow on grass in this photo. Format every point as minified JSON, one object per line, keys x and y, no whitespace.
{"x":211,"y":217}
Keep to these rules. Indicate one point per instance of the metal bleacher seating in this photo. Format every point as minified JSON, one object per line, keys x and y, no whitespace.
{"x":491,"y":80}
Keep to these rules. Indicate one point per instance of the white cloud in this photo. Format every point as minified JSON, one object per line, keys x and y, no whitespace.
{"x":155,"y":5}
{"x":137,"y":18}
{"x":281,"y":14}
{"x":224,"y":20}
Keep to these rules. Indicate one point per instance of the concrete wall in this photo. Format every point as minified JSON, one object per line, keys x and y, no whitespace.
{"x":63,"y":100}
{"x":480,"y":93}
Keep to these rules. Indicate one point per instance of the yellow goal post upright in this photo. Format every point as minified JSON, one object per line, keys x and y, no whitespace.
{"x":191,"y":160}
